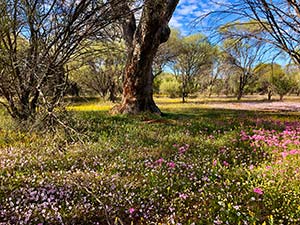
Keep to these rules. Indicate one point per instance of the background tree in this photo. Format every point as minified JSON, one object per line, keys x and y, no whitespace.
{"x":263,"y":84}
{"x":273,"y":79}
{"x":37,"y":39}
{"x":142,"y":42}
{"x":100,"y":69}
{"x":167,"y":52}
{"x":282,"y":83}
{"x":169,"y":85}
{"x":265,"y":73}
{"x":193,"y":61}
{"x":293,"y":70}
{"x":297,"y":83}
{"x":214,"y":82}
{"x":243,"y":54}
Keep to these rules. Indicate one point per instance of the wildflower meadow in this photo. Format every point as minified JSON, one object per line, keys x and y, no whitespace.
{"x":194,"y":165}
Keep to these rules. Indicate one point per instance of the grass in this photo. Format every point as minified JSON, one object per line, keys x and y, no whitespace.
{"x":194,"y":165}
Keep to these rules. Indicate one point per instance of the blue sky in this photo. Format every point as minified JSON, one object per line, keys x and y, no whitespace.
{"x":189,"y":10}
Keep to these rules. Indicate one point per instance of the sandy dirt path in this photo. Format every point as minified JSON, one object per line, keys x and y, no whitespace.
{"x":260,"y":106}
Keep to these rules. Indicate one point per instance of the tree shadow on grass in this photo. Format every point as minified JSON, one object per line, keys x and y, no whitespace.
{"x":212,"y":113}
{"x":220,"y":100}
{"x":216,"y":130}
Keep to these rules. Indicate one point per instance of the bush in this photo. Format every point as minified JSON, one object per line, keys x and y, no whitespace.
{"x":170,"y":87}
{"x":282,"y":84}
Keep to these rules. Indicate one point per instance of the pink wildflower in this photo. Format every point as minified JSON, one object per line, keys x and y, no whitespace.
{"x":284,"y":154}
{"x":183,"y":149}
{"x":159,"y":161}
{"x":244,"y":136}
{"x":215,"y":162}
{"x":268,"y":167}
{"x":171,"y":164}
{"x":218,"y":222}
{"x":183,"y":196}
{"x":258,"y":190}
{"x":294,"y":152}
{"x":131,"y":210}
{"x":225,"y":163}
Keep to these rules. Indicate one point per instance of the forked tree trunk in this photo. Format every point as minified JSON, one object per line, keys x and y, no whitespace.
{"x":142,"y":44}
{"x":137,"y":87}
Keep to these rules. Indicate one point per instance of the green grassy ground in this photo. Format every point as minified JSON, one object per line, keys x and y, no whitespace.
{"x":194,"y":165}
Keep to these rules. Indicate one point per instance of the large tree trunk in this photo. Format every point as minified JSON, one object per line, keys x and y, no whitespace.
{"x":137,"y":87}
{"x":142,"y":44}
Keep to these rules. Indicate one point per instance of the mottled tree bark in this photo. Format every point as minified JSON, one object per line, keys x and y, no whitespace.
{"x":142,"y":44}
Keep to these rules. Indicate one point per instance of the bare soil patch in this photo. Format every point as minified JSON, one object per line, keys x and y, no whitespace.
{"x":260,"y":106}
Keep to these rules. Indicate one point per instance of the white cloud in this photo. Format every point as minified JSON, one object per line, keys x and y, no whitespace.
{"x":175,"y":22}
{"x":187,"y":2}
{"x":202,"y":12}
{"x":187,"y":9}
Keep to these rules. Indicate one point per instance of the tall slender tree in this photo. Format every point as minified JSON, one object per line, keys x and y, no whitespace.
{"x":242,"y":52}
{"x":193,"y":62}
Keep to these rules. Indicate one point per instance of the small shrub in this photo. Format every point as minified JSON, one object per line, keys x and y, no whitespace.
{"x":170,"y":87}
